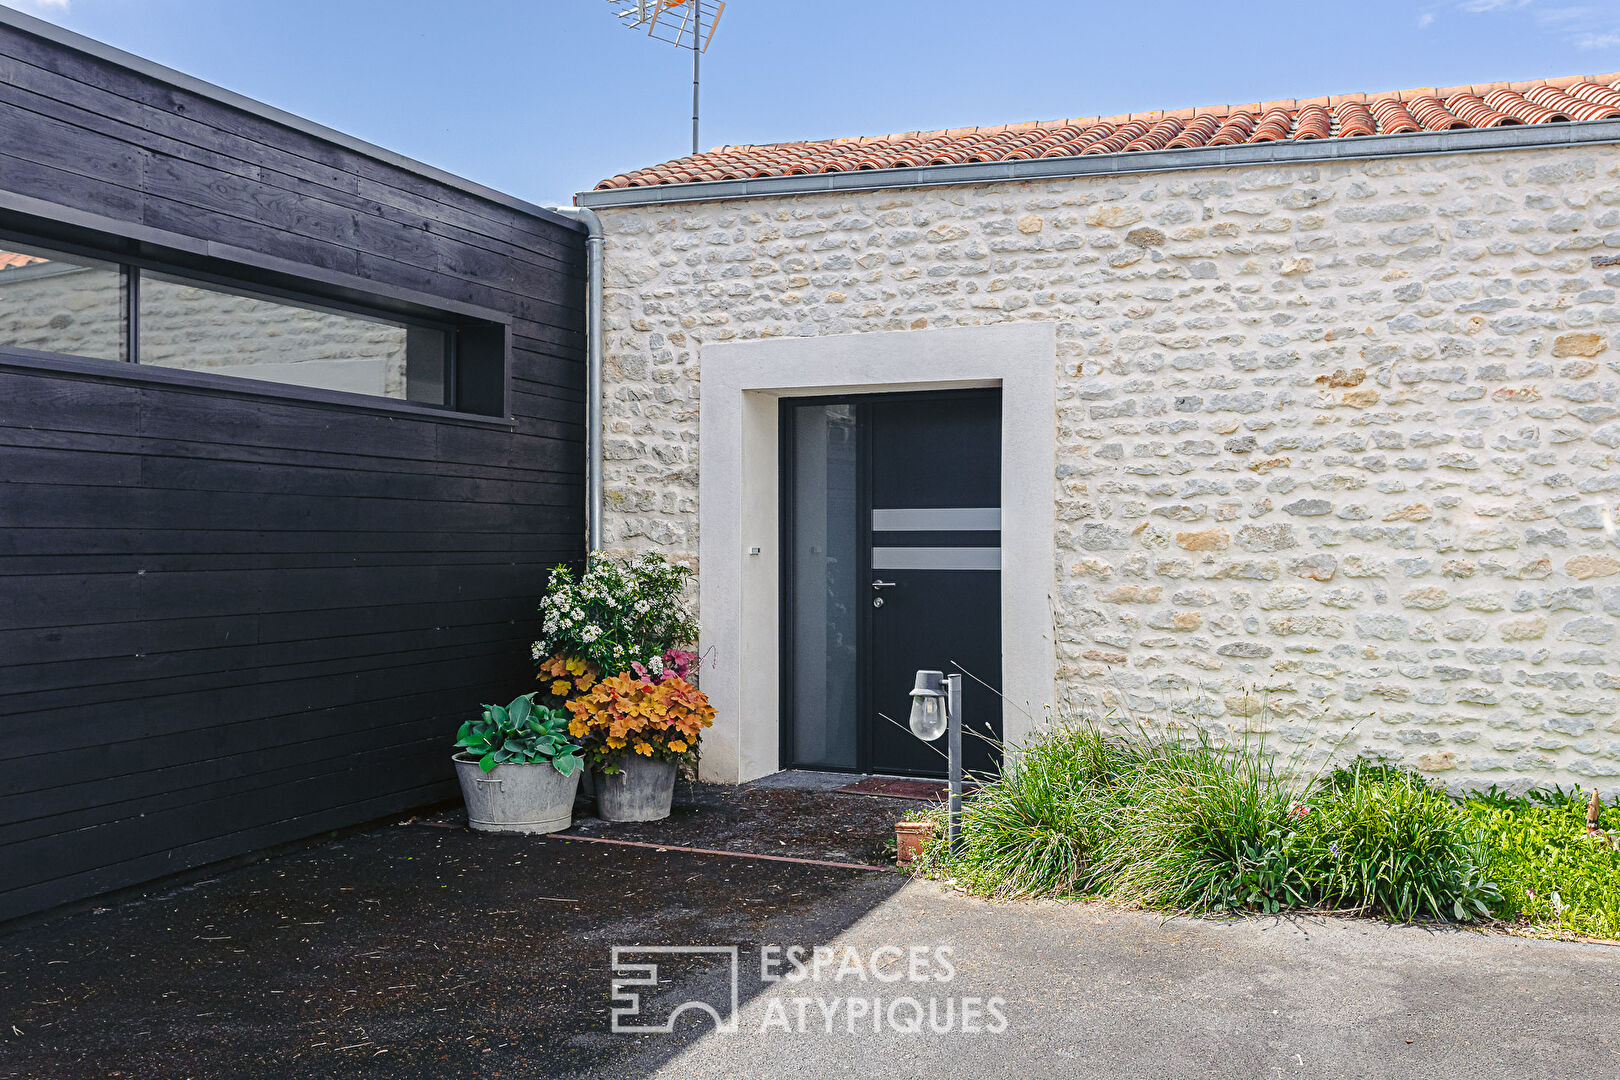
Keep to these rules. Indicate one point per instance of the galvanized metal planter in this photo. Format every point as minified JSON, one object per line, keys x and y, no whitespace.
{"x":643,"y":790}
{"x":517,"y":798}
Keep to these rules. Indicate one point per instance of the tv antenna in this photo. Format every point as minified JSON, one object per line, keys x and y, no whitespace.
{"x":686,"y":24}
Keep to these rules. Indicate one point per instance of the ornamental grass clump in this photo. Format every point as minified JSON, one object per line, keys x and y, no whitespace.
{"x":1037,"y":831}
{"x":1387,"y":841}
{"x":1206,"y":828}
{"x":1181,"y":824}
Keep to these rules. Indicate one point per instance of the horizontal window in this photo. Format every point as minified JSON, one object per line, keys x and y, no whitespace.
{"x":67,"y":303}
{"x":197,"y":327}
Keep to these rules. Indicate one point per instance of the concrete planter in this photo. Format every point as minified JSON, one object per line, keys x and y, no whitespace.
{"x":517,"y":798}
{"x":642,"y":790}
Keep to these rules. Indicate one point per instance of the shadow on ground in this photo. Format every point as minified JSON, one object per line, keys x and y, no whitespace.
{"x":422,"y":949}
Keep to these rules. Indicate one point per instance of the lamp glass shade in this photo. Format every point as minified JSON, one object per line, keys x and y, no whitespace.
{"x":927,"y":716}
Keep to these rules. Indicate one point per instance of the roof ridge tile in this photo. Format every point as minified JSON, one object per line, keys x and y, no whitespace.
{"x":1431,"y":109}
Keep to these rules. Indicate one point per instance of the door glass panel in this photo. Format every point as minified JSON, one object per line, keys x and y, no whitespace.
{"x":61,"y":304}
{"x":826,"y":592}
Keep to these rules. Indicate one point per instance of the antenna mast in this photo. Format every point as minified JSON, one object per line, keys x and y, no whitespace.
{"x":697,"y":54}
{"x":687,"y":24}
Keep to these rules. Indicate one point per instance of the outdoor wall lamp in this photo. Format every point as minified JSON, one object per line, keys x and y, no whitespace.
{"x":936,"y":706}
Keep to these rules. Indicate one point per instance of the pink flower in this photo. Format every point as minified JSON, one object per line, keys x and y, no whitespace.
{"x":678,"y":663}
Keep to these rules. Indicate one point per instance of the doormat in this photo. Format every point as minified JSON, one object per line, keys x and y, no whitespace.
{"x":894,"y":787}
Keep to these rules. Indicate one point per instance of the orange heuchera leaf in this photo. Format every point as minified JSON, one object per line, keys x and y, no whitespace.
{"x":626,"y":709}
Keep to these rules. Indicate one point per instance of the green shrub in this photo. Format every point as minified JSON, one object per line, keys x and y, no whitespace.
{"x":622,"y":610}
{"x":1387,"y":841}
{"x":1366,"y":771}
{"x":1204,"y":828}
{"x":1184,"y":825}
{"x":1551,"y":872}
{"x":1188,"y":826}
{"x":1034,"y":833}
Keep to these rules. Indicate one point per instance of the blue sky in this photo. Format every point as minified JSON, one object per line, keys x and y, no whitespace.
{"x":541,"y":98}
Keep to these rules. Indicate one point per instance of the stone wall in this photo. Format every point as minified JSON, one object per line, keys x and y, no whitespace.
{"x":1337,"y":444}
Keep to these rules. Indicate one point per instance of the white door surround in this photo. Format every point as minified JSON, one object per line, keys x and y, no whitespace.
{"x":738,"y":509}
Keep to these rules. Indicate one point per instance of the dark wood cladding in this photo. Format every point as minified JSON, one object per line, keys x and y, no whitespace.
{"x":231,"y":619}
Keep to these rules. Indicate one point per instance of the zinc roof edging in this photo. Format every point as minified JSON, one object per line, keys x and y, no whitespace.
{"x":1359,"y":148}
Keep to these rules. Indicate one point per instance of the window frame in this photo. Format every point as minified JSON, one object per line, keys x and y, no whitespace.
{"x":272,"y":281}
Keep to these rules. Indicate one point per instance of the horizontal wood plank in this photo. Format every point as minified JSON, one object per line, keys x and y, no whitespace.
{"x":265,"y":616}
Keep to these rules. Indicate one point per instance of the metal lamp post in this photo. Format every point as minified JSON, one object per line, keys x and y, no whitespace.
{"x":936,"y":708}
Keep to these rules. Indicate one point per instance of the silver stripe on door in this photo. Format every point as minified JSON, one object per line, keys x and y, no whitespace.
{"x":940,"y":519}
{"x":936,"y":558}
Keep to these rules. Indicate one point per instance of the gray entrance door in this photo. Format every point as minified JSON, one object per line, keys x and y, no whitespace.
{"x":892,"y":562}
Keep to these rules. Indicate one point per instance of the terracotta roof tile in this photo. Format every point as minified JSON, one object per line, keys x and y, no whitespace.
{"x":1340,"y":116}
{"x":11,"y":260}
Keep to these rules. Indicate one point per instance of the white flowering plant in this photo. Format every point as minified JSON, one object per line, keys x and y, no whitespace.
{"x":623,"y":611}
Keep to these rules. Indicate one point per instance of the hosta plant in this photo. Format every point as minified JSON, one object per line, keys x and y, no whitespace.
{"x":521,"y":733}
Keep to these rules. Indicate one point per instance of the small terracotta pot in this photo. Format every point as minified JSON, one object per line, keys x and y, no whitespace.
{"x":909,"y":838}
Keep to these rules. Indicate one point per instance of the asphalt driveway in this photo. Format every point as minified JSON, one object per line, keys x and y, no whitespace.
{"x":1090,"y":991}
{"x":420,"y":949}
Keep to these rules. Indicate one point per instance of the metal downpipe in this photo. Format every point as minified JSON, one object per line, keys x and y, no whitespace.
{"x":593,"y":371}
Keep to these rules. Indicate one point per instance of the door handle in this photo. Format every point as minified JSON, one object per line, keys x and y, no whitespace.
{"x":884,"y":584}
